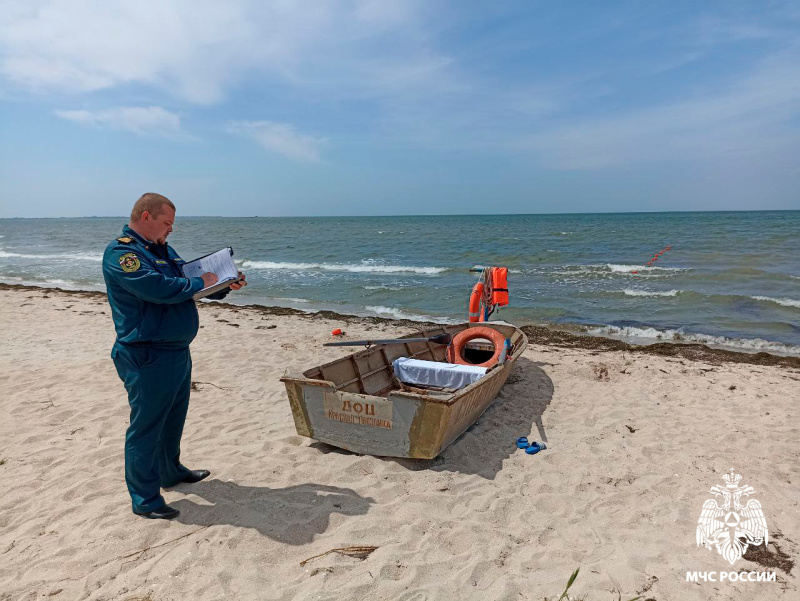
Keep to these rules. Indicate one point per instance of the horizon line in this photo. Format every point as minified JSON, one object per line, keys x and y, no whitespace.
{"x":425,"y":214}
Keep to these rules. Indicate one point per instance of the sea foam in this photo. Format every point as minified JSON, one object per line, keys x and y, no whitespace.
{"x":614,"y":268}
{"x":636,"y":292}
{"x":785,"y":302}
{"x":611,"y":269}
{"x":398,"y":314}
{"x":741,"y":344}
{"x":349,"y":267}
{"x":65,"y":257}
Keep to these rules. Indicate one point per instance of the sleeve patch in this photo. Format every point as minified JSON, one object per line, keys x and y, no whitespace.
{"x":129,"y":262}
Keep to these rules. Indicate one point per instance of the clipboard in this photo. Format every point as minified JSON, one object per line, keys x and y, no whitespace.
{"x":214,"y":263}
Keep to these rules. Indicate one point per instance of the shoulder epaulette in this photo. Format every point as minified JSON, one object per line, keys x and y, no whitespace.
{"x":125,"y":240}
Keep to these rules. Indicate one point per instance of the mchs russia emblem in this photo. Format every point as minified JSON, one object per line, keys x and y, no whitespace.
{"x":729,"y":526}
{"x":129,"y":262}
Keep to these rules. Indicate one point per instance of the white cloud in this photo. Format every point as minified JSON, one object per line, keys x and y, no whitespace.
{"x":379,"y":51}
{"x":198,"y":50}
{"x":385,"y":60}
{"x":280,"y":138}
{"x":151,"y":120}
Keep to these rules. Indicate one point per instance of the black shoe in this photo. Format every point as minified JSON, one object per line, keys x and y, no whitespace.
{"x":162,"y":513}
{"x":195,"y":476}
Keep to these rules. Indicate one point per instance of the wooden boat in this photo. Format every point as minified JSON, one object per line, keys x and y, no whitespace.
{"x":357,"y":404}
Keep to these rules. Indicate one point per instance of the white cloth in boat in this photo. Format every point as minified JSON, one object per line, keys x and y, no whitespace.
{"x":435,"y":373}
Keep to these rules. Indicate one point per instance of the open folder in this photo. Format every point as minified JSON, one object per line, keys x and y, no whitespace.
{"x":220,"y":263}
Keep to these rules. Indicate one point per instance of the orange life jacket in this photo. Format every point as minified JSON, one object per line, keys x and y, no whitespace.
{"x":500,"y":286}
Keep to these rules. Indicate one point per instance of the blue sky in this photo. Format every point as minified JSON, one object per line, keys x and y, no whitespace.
{"x":398,"y":107}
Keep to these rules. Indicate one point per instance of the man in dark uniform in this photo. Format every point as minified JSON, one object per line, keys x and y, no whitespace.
{"x":155,"y":318}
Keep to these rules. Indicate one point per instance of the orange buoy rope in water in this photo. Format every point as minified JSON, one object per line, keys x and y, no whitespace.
{"x":655,"y":258}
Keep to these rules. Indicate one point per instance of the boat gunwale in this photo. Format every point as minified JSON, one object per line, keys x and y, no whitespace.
{"x":450,"y":399}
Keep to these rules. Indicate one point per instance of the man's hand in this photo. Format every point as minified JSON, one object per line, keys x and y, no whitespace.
{"x":241,"y":283}
{"x":209,"y":279}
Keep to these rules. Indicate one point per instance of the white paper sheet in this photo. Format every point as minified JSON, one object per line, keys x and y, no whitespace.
{"x":220,"y":263}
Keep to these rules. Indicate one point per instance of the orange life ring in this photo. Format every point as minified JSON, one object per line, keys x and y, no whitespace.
{"x":475,"y":303}
{"x":455,"y":352}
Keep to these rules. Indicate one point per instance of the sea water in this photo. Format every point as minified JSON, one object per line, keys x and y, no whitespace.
{"x":730,"y":278}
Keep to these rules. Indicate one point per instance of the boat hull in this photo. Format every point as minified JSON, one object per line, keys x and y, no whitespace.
{"x":400,"y":423}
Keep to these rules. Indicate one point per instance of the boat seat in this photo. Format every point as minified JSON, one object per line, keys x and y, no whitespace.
{"x":436,"y":373}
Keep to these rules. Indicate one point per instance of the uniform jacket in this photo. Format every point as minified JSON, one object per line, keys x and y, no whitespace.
{"x":151,"y":302}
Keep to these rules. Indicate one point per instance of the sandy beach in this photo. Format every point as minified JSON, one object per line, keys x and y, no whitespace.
{"x":635,"y":440}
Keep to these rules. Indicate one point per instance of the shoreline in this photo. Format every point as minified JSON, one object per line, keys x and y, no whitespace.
{"x":537,"y":334}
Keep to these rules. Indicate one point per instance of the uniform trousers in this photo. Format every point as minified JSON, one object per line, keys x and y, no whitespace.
{"x":158,"y":382}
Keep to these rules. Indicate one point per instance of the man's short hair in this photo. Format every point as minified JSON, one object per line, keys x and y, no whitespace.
{"x":152,"y":203}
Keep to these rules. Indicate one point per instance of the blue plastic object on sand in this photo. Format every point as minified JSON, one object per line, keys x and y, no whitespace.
{"x":522,"y":442}
{"x":535,"y":448}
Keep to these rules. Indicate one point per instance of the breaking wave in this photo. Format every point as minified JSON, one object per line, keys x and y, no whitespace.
{"x":65,"y":257}
{"x":652,"y":334}
{"x":610,"y":269}
{"x":785,"y":302}
{"x":725,"y":298}
{"x":350,"y":267}
{"x":398,"y":314}
{"x":291,"y":299}
{"x":383,"y":287}
{"x":634,"y":292}
{"x":614,"y":268}
{"x":53,"y":283}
